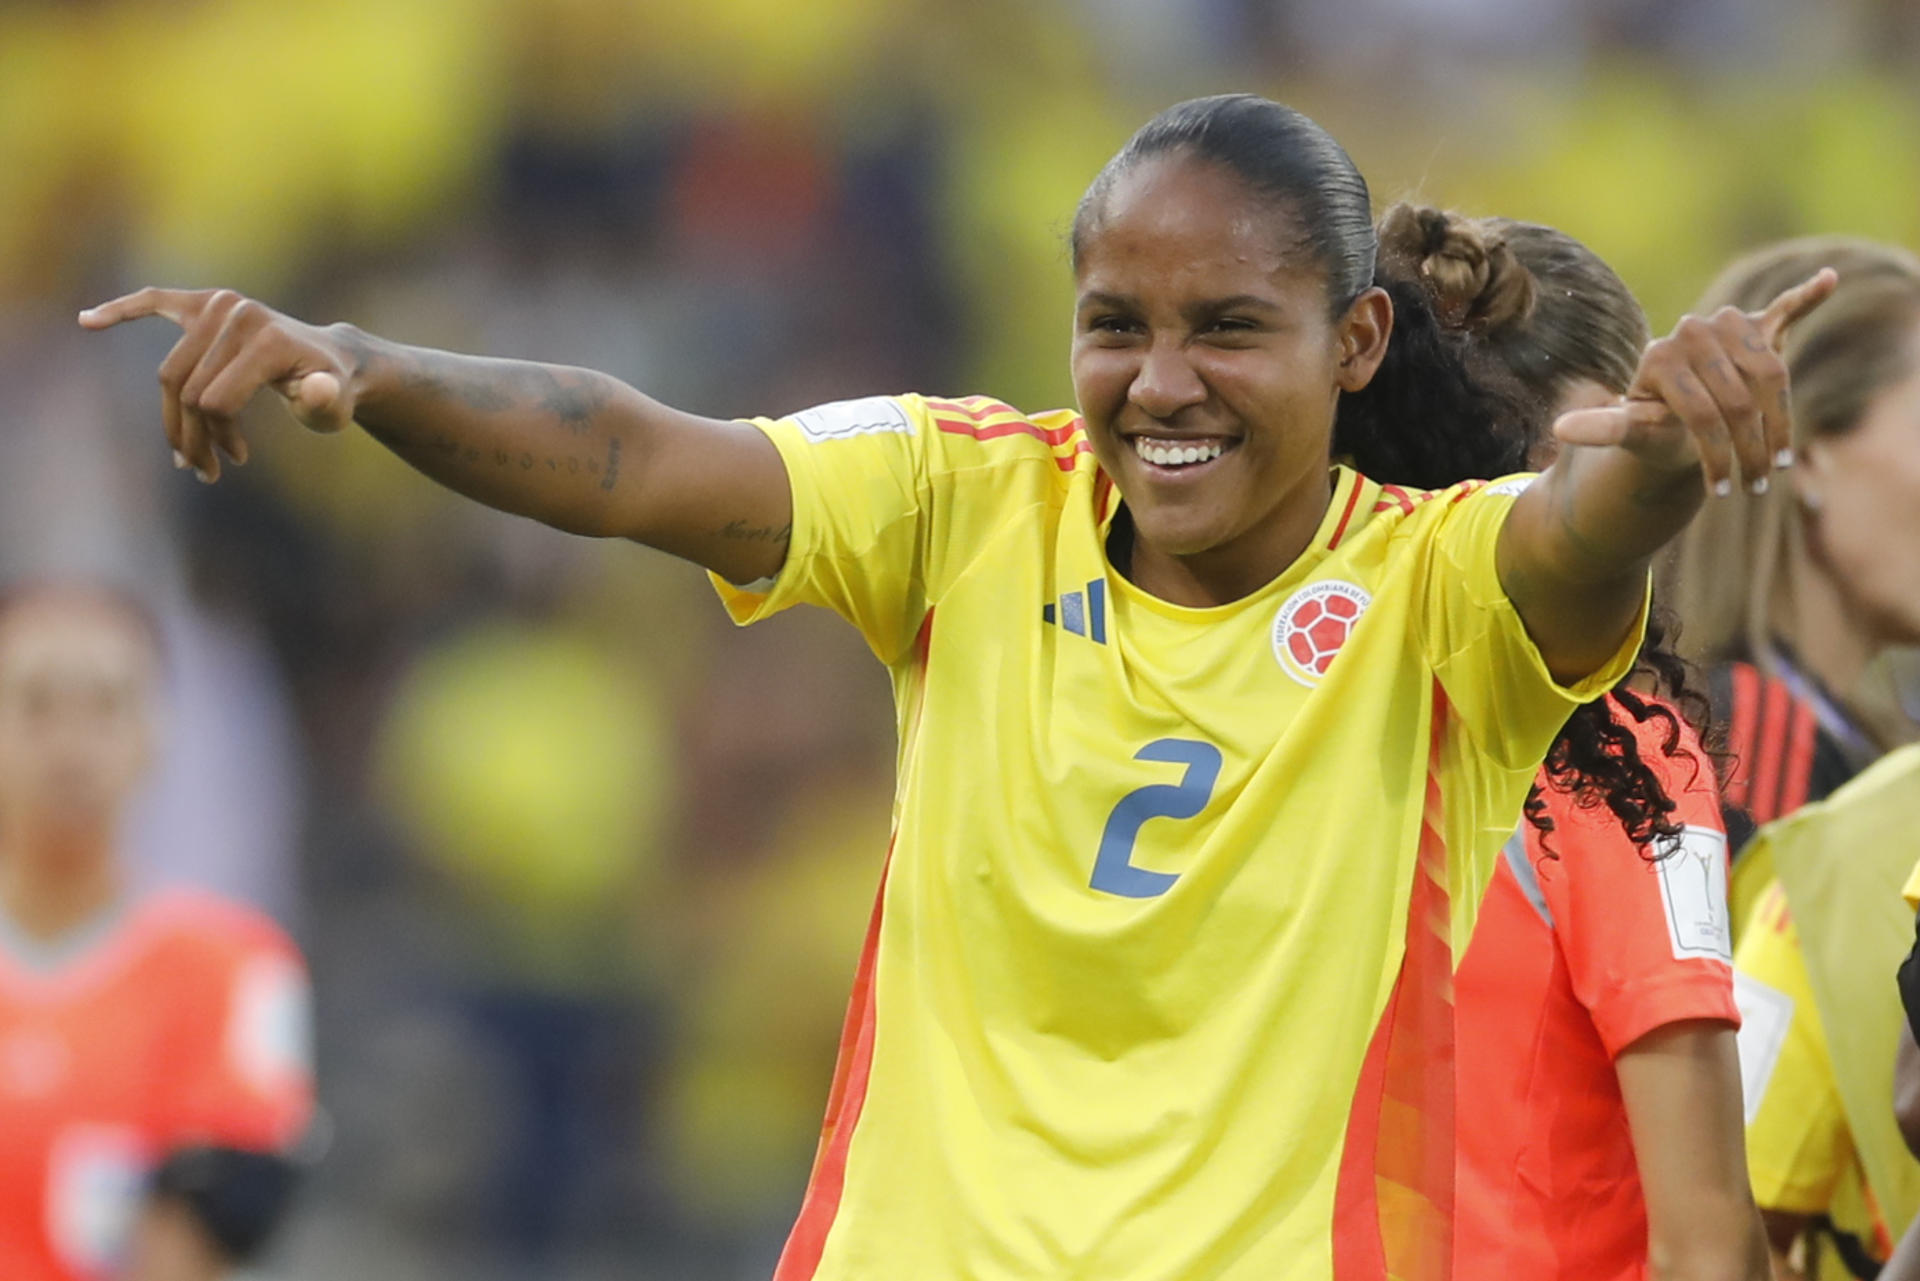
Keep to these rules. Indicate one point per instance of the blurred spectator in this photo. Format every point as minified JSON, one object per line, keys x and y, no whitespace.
{"x":131,"y":1023}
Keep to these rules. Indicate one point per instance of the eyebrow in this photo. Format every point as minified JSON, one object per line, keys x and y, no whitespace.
{"x":1203,"y":308}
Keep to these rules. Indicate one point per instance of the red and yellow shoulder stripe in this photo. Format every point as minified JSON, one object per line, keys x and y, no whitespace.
{"x":983,"y":418}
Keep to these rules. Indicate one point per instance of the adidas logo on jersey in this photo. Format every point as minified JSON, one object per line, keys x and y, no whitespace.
{"x":1082,"y":613}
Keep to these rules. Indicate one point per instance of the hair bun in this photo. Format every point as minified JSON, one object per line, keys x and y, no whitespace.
{"x":1474,"y":279}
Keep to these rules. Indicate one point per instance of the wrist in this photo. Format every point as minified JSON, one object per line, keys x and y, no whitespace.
{"x":363,"y":361}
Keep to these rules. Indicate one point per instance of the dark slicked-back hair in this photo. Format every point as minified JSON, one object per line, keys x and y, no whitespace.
{"x":1280,"y":155}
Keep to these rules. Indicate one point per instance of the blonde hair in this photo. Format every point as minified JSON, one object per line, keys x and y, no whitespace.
{"x":1728,"y":574}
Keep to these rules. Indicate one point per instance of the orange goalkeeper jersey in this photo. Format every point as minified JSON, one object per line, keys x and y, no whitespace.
{"x":179,"y":1019}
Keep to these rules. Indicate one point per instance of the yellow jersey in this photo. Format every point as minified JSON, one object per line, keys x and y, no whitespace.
{"x":1814,"y":968}
{"x":1158,"y":982}
{"x":1800,"y":1150}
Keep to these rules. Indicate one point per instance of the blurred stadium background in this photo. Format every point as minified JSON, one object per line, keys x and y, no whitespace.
{"x":581,"y":870}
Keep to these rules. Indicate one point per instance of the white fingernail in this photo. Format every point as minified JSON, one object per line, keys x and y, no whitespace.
{"x":1759,"y":485}
{"x":1784,"y":458}
{"x":179,"y":461}
{"x":1722,"y":487}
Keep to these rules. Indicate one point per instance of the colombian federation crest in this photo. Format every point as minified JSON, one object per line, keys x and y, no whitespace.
{"x":1313,"y":624}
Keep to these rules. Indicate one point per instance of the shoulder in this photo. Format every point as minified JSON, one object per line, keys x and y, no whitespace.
{"x":210,"y":933}
{"x":980,"y":429}
{"x":1401,"y":512}
{"x":919,"y":438}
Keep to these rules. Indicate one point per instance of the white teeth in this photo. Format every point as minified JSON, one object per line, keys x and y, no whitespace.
{"x":1171,"y":454}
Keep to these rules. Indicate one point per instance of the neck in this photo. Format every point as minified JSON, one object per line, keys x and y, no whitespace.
{"x":1237,"y":569}
{"x":49,"y":888}
{"x":1830,"y":640}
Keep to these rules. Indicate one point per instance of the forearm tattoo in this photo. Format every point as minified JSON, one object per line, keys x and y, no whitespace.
{"x":527,"y":395}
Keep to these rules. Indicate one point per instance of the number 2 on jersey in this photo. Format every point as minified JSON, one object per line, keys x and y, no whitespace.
{"x":1113,"y":869}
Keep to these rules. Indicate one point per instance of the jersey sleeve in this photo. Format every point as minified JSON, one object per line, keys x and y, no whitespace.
{"x":243,"y":1073}
{"x":891,"y":497}
{"x":1798,"y":1144}
{"x":1492,"y":672}
{"x":858,"y":472}
{"x":1646,"y":934}
{"x":1911,"y":890}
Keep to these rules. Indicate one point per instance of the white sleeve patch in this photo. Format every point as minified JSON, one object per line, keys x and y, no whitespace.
{"x":96,"y":1178}
{"x":864,"y":417}
{"x":1765,"y":1015}
{"x":270,"y":1037}
{"x":1693,"y":888}
{"x":1516,"y":486}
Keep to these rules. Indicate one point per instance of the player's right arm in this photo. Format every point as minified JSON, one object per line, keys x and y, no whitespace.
{"x":575,"y":449}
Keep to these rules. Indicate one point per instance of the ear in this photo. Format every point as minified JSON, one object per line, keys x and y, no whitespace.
{"x":1364,"y":332}
{"x":1812,"y":473}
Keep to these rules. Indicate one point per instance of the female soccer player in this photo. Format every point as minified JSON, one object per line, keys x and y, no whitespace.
{"x":1206,"y":747}
{"x":1595,"y":1004}
{"x":1788,"y":596}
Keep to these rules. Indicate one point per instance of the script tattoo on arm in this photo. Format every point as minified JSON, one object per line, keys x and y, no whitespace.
{"x":742,"y":531}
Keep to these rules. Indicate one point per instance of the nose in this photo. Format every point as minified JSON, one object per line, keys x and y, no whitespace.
{"x":1166,"y":382}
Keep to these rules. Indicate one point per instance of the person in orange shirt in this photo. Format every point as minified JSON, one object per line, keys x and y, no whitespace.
{"x":130,"y":1026}
{"x":1599,"y":1087}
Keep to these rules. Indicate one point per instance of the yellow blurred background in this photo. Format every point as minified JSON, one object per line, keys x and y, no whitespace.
{"x":582,"y":871}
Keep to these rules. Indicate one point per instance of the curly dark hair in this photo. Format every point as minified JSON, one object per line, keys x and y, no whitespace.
{"x":1493,"y":321}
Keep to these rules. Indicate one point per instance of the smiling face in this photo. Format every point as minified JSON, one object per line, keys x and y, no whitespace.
{"x":1207,"y":368}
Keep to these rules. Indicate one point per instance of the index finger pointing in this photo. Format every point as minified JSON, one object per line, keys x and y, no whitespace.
{"x":176,"y":305}
{"x":1793,"y":305}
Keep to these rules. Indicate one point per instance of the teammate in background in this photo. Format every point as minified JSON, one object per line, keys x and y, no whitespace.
{"x":1595,"y":1004}
{"x":1827,"y":1111}
{"x":1787,"y":597}
{"x":1201,"y":739}
{"x":129,"y":1026}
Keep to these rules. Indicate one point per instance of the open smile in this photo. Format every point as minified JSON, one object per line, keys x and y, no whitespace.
{"x":1170,"y":456}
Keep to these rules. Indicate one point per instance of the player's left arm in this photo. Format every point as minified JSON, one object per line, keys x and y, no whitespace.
{"x":1681,"y":1087}
{"x":1574,"y":552}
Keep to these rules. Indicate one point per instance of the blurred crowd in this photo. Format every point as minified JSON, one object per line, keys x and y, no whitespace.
{"x":581,"y":871}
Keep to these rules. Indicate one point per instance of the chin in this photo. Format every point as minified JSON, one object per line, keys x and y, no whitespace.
{"x":1179,"y":532}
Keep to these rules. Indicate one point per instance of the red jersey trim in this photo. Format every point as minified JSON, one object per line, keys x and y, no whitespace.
{"x":853,"y":1067}
{"x":1740,"y":733}
{"x":1392,"y":496}
{"x":1355,"y":482}
{"x":1393,"y":1204}
{"x":991,"y":420}
{"x":1800,"y":744}
{"x":800,"y":1259}
{"x":1778,"y":707}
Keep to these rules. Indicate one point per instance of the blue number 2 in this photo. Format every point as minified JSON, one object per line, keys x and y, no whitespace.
{"x":1113,"y":869}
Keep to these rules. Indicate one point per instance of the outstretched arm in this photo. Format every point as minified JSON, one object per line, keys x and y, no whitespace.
{"x":1681,"y":1087}
{"x":1574,"y":553}
{"x":578,"y":450}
